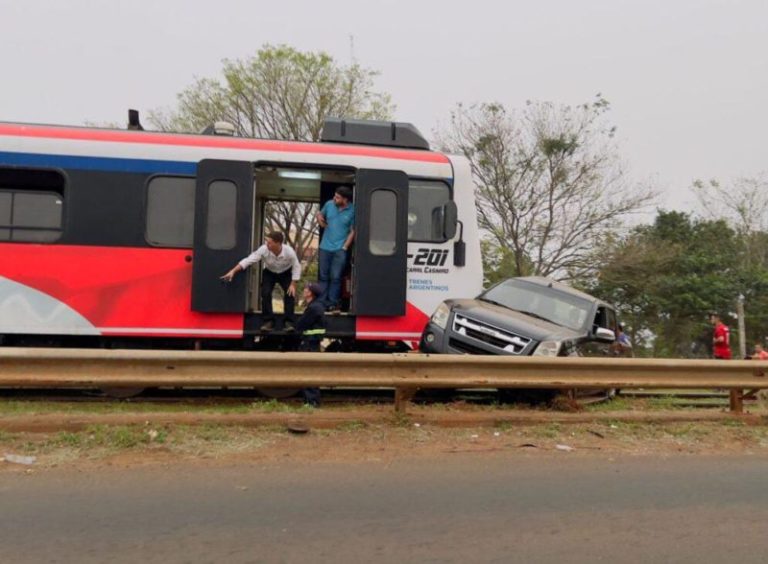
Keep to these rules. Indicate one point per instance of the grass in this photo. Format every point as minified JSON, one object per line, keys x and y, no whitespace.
{"x":277,"y":406}
{"x":98,"y":441}
{"x":733,"y":423}
{"x":657,"y":403}
{"x":630,"y":429}
{"x":21,"y":407}
{"x":211,"y":441}
{"x":616,"y":403}
{"x":351,"y":426}
{"x":102,"y":436}
{"x":548,"y":431}
{"x":687,"y":430}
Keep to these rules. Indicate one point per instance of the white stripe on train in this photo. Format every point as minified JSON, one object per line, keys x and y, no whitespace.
{"x":176,"y":153}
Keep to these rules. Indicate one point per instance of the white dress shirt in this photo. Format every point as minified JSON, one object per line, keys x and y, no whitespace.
{"x":276,"y":263}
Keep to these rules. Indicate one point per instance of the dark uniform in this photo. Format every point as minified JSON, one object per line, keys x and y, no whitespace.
{"x":311,"y":328}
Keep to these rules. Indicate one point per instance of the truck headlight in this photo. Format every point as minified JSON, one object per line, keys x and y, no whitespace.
{"x":441,"y":315}
{"x":548,"y":348}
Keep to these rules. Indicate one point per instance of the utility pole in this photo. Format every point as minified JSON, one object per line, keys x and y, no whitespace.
{"x":742,"y":328}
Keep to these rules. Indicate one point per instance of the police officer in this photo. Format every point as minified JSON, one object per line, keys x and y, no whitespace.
{"x":311,"y":329}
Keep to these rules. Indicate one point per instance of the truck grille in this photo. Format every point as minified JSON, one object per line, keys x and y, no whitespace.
{"x":466,"y":348}
{"x":506,"y":341}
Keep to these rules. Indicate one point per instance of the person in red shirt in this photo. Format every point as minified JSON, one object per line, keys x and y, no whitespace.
{"x":721,"y":344}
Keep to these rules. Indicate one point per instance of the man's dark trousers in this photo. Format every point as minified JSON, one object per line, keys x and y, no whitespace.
{"x":268,"y":281}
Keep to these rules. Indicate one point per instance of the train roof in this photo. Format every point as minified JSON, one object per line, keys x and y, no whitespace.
{"x":332,"y":146}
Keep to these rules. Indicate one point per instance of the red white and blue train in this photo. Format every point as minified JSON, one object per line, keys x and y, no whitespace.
{"x":115,"y":236}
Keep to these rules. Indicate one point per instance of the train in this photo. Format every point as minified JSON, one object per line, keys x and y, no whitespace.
{"x":118,"y":237}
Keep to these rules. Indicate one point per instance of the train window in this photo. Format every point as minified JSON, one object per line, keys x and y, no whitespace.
{"x":383,"y":224}
{"x":37,"y":209}
{"x":222,"y":208}
{"x":5,"y":208}
{"x":425,"y":203}
{"x":30,"y":216}
{"x":170,"y":211}
{"x":31,"y":205}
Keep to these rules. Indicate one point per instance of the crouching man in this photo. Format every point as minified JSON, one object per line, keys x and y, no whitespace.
{"x":311,"y":329}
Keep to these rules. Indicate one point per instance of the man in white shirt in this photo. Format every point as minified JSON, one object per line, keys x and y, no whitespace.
{"x":281,"y":266}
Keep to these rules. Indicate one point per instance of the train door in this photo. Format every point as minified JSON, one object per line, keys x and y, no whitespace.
{"x":223,"y":225}
{"x":381,"y":241}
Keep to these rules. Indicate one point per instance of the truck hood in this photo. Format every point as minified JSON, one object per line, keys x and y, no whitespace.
{"x":520,"y":323}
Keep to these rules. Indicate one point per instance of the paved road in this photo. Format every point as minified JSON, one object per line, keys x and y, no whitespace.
{"x":465,"y":508}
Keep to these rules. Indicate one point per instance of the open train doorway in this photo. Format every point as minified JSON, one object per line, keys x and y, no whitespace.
{"x":287,"y":201}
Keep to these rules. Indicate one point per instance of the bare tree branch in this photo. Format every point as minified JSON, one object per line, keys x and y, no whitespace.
{"x":549,"y":181}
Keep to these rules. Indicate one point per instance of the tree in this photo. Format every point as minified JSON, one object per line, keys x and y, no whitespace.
{"x":744,"y":206}
{"x":664,"y":278}
{"x":280,"y":93}
{"x":742,"y":203}
{"x":549,"y":182}
{"x":499,"y":262}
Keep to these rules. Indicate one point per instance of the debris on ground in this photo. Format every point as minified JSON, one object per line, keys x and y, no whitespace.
{"x":564,"y":448}
{"x":298,"y":428}
{"x":19,"y":459}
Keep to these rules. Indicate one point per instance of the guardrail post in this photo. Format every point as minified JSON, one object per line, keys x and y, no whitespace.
{"x":737,"y":401}
{"x":403,"y":396}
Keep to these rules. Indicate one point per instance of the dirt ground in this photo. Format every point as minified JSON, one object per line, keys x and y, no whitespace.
{"x":372,"y":433}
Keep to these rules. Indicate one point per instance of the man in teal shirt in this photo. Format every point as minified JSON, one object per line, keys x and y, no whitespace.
{"x":337,"y":217}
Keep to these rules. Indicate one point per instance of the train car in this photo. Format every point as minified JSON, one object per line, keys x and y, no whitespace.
{"x":119,"y":237}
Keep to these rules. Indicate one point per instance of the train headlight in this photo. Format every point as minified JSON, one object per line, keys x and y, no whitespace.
{"x":548,"y":348}
{"x":441,"y":315}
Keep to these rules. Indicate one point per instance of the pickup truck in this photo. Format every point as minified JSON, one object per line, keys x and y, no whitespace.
{"x":523,"y":316}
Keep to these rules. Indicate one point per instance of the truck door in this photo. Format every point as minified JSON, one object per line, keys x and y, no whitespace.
{"x":223,"y":224}
{"x":381,"y":241}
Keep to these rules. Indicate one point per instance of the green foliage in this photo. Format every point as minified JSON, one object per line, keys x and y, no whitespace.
{"x":280,"y":93}
{"x":558,"y":147}
{"x":666,"y":277}
{"x":500,"y":263}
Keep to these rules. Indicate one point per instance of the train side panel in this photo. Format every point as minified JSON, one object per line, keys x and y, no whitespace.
{"x":102,"y":277}
{"x":107,"y":291}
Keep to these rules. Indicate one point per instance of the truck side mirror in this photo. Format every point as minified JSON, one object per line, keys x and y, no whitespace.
{"x":450,"y":219}
{"x":604,"y":335}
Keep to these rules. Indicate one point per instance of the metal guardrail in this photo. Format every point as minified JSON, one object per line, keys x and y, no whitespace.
{"x":406,"y":373}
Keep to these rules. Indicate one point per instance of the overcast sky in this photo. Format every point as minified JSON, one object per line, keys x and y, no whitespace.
{"x":687,"y":79}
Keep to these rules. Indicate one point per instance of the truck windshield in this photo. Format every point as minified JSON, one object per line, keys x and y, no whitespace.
{"x":542,"y":302}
